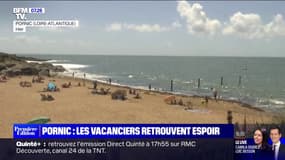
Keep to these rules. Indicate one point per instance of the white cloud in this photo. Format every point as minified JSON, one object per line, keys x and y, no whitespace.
{"x":244,"y":25}
{"x":196,"y":19}
{"x":114,"y":27}
{"x":276,"y":27}
{"x":142,"y":27}
{"x":251,"y":26}
{"x":248,"y":26}
{"x":176,"y":24}
{"x":146,"y":27}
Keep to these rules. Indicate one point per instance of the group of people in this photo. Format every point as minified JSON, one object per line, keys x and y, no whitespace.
{"x":66,"y":85}
{"x":3,"y":78}
{"x":38,"y":79}
{"x":134,"y":92}
{"x":264,"y":151}
{"x":25,"y":84}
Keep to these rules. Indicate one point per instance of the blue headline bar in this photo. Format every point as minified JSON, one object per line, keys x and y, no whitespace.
{"x":74,"y":131}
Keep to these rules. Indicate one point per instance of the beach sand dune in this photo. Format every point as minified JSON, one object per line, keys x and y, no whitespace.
{"x":79,"y":105}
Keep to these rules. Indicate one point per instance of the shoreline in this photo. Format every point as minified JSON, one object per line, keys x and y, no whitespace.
{"x":244,"y":104}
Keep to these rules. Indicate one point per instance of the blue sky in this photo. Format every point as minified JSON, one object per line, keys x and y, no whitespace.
{"x":188,"y":28}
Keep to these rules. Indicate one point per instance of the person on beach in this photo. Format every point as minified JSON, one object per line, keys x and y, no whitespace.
{"x":206,"y":100}
{"x":215,"y":93}
{"x":73,"y":75}
{"x":149,"y":87}
{"x":137,"y":96}
{"x":180,"y":102}
{"x":84,"y":75}
{"x":110,"y":80}
{"x":3,"y":79}
{"x":230,"y":117}
{"x":95,"y":85}
{"x":263,"y":150}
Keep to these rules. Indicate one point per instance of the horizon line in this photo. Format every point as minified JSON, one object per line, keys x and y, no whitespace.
{"x":148,"y":55}
{"x":141,"y":55}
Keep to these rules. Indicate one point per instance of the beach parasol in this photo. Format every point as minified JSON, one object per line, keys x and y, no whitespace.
{"x":39,"y":120}
{"x":51,"y":86}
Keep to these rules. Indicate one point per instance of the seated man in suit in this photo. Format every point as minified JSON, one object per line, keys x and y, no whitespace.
{"x":277,"y":147}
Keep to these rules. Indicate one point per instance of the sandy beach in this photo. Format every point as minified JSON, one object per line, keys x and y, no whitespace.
{"x":78,"y":105}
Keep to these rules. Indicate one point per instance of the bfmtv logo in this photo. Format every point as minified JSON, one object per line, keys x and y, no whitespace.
{"x":29,"y":10}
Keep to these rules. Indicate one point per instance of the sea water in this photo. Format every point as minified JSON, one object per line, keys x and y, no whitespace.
{"x":256,"y":81}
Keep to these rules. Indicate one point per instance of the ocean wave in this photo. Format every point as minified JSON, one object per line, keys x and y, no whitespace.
{"x":56,"y":61}
{"x":234,"y":98}
{"x":89,"y":76}
{"x":39,"y":62}
{"x":96,"y":76}
{"x":48,"y":61}
{"x":272,"y":107}
{"x":188,"y":82}
{"x":149,"y":77}
{"x":275,"y":101}
{"x":269,"y":102}
{"x":70,"y":66}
